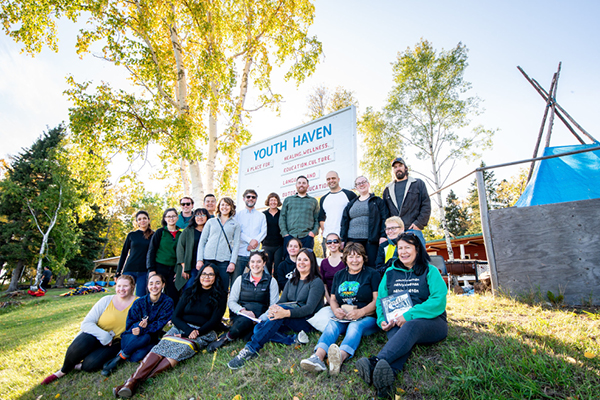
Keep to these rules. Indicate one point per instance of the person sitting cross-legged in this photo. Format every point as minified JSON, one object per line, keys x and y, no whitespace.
{"x":353,"y":298}
{"x":301,"y":298}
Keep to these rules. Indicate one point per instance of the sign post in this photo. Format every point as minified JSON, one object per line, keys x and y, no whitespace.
{"x":312,"y":150}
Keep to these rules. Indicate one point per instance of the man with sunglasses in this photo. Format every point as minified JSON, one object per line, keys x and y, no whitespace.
{"x":332,"y":207}
{"x":187,"y":206}
{"x":254,"y":230}
{"x":407,"y":198}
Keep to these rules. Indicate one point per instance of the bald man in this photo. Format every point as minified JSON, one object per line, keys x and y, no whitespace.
{"x":332,"y":206}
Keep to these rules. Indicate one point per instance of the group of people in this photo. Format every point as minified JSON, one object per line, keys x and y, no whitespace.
{"x":203,"y":261}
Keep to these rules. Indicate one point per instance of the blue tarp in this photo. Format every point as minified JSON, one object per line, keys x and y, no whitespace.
{"x":562,"y":179}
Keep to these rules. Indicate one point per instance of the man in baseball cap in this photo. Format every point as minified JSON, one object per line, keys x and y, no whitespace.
{"x":407,"y":198}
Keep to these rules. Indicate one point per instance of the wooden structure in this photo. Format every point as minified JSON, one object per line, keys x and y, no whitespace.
{"x":551,"y":247}
{"x":470,"y":247}
{"x":108,"y":265}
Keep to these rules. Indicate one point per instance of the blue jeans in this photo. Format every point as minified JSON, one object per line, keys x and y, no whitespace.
{"x":141,"y":282}
{"x":354,"y":331}
{"x":131,"y":343}
{"x":273,"y":331}
{"x":418,"y":234}
{"x":193,"y":277}
{"x":240,"y":266}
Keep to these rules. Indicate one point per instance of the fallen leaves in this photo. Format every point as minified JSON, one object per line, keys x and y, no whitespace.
{"x":589,"y":355}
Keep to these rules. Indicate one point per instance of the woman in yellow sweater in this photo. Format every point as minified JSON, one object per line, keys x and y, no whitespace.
{"x":99,"y":339}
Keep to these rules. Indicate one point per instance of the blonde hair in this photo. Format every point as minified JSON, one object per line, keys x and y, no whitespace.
{"x":395,"y":219}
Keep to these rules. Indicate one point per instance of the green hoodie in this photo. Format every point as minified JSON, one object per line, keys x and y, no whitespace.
{"x":429,"y":307}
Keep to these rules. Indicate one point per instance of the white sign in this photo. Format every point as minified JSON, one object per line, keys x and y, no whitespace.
{"x":313,"y":149}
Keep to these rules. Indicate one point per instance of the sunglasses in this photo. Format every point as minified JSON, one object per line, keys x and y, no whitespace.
{"x":259,"y":251}
{"x":185,"y":204}
{"x":250,"y":196}
{"x":334,"y":241}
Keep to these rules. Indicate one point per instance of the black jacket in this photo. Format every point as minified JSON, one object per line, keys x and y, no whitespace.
{"x":378,"y":213}
{"x":416,"y":206}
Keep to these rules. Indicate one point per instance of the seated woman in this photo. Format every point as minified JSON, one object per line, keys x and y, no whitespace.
{"x":187,"y":250}
{"x":424,"y":323}
{"x":146,"y":318}
{"x":332,"y":264}
{"x":353,"y":298}
{"x":387,"y":252}
{"x":286,"y":267}
{"x":101,"y":330}
{"x":196,"y":316}
{"x":301,"y":298}
{"x":251,"y":295}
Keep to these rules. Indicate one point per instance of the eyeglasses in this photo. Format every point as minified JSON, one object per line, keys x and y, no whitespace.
{"x":208,"y":274}
{"x":392,"y":228}
{"x":185,"y":204}
{"x":171,"y":216}
{"x":361,"y":183}
{"x":201,"y":215}
{"x":334,"y":241}
{"x":250,"y":196}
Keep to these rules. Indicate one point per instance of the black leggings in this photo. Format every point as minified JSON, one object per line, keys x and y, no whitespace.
{"x":418,"y":331}
{"x":88,"y":350}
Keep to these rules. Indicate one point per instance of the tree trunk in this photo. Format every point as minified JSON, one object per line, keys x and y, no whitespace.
{"x":211,"y":162}
{"x":60,"y":280}
{"x":196,"y":178}
{"x":437,"y":186}
{"x":16,"y":276}
{"x":185,"y":178}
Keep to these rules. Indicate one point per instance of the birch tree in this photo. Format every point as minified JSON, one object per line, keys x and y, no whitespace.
{"x":192,"y":65}
{"x":428,"y":108}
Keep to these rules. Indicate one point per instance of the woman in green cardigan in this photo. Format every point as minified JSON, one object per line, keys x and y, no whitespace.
{"x":162,"y":255}
{"x":187,"y":249}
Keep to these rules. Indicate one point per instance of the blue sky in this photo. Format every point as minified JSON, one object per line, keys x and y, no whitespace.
{"x":360,"y":40}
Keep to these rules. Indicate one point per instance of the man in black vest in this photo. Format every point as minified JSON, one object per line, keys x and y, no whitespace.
{"x":407,"y":198}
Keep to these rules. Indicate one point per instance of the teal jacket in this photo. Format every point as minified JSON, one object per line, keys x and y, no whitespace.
{"x":433,"y":306}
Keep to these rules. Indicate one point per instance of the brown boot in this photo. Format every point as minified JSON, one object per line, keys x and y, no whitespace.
{"x":163,"y":365}
{"x":141,"y":374}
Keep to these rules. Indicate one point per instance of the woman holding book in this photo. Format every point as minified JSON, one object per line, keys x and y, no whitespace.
{"x":423,"y":323}
{"x":301,"y":298}
{"x":251,"y":296}
{"x":353,"y":298}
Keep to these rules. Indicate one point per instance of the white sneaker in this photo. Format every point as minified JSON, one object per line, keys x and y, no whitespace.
{"x":302,"y":338}
{"x":335,"y":359}
{"x":313,"y":364}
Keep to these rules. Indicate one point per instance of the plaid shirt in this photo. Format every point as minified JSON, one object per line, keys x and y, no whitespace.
{"x":299,"y":216}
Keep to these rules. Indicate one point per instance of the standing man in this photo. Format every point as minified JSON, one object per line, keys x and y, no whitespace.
{"x":407,"y":198}
{"x":254,"y":230}
{"x":187,"y":205}
{"x":299,"y":216}
{"x":210,"y":203}
{"x":332,"y":206}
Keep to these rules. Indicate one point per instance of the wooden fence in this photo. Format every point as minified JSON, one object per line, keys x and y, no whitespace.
{"x":553,"y":247}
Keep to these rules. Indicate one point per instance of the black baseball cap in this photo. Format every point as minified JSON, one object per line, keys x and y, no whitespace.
{"x":398,"y":159}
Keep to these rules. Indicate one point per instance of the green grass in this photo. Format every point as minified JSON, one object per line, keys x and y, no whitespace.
{"x":497,"y":348}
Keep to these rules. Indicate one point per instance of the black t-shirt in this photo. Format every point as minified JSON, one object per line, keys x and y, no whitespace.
{"x":355,"y":289}
{"x":399,"y":188}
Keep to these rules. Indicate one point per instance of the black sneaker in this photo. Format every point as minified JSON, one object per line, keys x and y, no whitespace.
{"x":244,"y":355}
{"x":111,"y":365}
{"x":383,"y":377}
{"x":212,"y":347}
{"x":365,"y":367}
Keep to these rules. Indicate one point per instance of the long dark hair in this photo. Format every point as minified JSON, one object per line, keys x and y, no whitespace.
{"x":314,"y":267}
{"x":216,"y":291}
{"x":198,"y":211}
{"x":422,"y":260}
{"x":148,"y":232}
